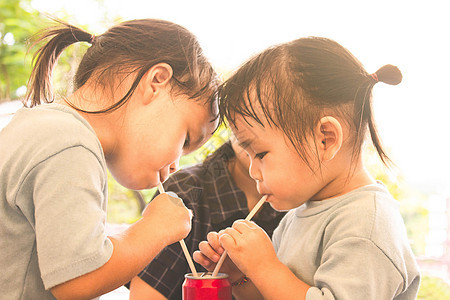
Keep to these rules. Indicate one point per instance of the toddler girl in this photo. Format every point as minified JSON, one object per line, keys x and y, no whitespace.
{"x":301,"y":110}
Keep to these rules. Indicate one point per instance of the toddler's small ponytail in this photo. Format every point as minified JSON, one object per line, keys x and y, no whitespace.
{"x":388,"y":74}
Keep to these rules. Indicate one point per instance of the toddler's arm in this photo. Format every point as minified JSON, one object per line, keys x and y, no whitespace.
{"x":165,"y":221}
{"x":251,"y":250}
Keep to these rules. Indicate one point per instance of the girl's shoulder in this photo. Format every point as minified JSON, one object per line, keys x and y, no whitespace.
{"x":55,"y":121}
{"x":46,"y":130}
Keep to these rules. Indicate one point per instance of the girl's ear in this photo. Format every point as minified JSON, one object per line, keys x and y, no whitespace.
{"x":330,"y":137}
{"x":156,"y":79}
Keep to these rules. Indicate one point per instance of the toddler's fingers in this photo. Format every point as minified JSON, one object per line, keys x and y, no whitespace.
{"x":198,"y":257}
{"x":251,"y":224}
{"x":231,"y":232}
{"x":241,"y":225}
{"x":213,"y":240}
{"x":227,"y":241}
{"x":208,"y":251}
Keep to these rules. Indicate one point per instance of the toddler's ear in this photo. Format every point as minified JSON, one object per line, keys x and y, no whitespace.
{"x":156,"y":78}
{"x":330,"y":137}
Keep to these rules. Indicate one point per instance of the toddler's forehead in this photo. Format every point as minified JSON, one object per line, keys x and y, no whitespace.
{"x":246,"y":128}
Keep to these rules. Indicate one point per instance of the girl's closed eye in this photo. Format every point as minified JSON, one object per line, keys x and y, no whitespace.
{"x":261,"y":155}
{"x":187,"y":141}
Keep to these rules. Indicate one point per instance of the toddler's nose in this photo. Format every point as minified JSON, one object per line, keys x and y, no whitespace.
{"x":254,"y":171}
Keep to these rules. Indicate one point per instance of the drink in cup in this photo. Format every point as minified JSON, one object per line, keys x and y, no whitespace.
{"x":206,"y":287}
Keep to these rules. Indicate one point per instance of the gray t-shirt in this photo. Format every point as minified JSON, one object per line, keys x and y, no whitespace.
{"x":349,"y":247}
{"x":53,"y":196}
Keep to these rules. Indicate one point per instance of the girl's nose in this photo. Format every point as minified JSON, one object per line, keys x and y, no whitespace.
{"x":175,"y":166}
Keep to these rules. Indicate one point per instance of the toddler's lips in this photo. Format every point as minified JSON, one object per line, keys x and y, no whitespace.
{"x":266,"y":194}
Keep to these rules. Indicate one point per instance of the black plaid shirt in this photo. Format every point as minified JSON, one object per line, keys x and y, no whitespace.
{"x":210,"y":192}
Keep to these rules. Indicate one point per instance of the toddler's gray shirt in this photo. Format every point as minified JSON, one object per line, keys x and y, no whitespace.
{"x":349,"y":247}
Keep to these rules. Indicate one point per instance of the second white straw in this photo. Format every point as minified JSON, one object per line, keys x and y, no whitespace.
{"x":182,"y":243}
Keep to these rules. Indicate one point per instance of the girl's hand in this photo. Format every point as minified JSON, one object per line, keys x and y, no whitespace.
{"x":209,"y":254}
{"x":249,"y":248}
{"x":169,"y":212}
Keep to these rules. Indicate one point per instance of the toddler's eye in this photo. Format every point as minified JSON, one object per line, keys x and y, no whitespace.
{"x":260,"y":155}
{"x":187,"y":141}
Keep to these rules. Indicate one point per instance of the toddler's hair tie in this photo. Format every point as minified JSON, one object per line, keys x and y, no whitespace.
{"x":374,"y":76}
{"x":92,"y":39}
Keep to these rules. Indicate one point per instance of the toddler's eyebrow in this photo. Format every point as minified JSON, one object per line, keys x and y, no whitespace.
{"x":245,"y":143}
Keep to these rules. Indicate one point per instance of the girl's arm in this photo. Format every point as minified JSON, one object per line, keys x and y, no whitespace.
{"x":150,"y":284}
{"x":163,"y":223}
{"x":141,"y":290}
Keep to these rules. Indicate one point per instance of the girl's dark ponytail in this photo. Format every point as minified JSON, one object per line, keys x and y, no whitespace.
{"x":129,"y":48}
{"x":59,"y":38}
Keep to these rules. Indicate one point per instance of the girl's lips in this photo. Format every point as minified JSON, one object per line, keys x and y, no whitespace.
{"x":163,"y":176}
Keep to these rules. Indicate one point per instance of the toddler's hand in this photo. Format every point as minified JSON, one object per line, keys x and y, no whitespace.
{"x":172,"y":216}
{"x":209,"y":254}
{"x":210,"y":251}
{"x":249,"y":247}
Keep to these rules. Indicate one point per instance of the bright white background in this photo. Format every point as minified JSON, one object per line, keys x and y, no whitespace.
{"x":414,"y":35}
{"x":413,"y":118}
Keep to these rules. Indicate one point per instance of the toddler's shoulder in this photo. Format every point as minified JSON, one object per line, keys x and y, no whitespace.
{"x":366,"y":211}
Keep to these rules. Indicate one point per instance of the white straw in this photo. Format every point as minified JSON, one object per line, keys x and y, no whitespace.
{"x":248,"y":218}
{"x":182,"y":243}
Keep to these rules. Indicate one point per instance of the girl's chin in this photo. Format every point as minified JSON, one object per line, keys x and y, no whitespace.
{"x":139,"y":184}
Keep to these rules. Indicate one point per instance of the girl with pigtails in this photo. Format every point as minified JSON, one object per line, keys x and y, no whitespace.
{"x":137,"y":89}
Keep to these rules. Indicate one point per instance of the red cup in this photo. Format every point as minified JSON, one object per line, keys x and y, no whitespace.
{"x":206,"y":288}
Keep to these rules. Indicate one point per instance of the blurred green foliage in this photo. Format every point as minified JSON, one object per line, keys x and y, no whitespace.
{"x":433,"y":288}
{"x":18,"y":21}
{"x":123,"y":204}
